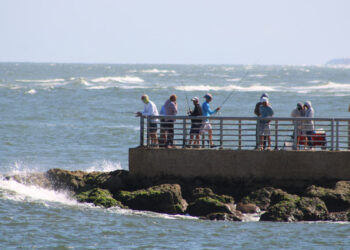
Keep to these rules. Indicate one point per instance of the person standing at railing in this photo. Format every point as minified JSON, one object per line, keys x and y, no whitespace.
{"x":206,"y":126}
{"x":309,"y":125}
{"x":257,"y":113}
{"x":170,"y":108}
{"x":195,"y":123}
{"x":264,"y":125}
{"x":297,"y":113}
{"x":150,"y":109}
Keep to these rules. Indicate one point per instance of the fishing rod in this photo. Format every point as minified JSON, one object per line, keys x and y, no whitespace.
{"x":187,"y":102}
{"x":229,"y":96}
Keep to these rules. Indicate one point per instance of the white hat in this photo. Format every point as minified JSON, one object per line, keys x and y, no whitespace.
{"x":264,"y":99}
{"x":195,"y":99}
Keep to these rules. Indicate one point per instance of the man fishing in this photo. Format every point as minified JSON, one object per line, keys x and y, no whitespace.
{"x":195,"y":123}
{"x":206,"y":126}
{"x":150,"y":109}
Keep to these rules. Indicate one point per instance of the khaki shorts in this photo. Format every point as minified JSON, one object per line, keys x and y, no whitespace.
{"x":206,"y":126}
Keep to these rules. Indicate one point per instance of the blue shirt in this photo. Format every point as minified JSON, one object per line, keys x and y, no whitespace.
{"x":206,"y":109}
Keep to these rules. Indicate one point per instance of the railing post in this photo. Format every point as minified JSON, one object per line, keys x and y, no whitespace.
{"x":142,"y":130}
{"x":332,"y":134}
{"x":337,"y":135}
{"x":348,"y":134}
{"x":184,"y":133}
{"x":148,"y":131}
{"x":276,"y":134}
{"x":257,"y":133}
{"x":239,"y":134}
{"x":221,"y":133}
{"x":295,"y":139}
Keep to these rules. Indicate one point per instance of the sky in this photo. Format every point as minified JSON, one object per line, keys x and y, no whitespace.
{"x":179,"y":32}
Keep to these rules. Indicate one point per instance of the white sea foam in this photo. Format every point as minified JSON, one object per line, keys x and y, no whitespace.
{"x":257,"y":75}
{"x":226,"y":88}
{"x":314,"y":81}
{"x":21,"y":192}
{"x":125,"y":79}
{"x":31,"y":92}
{"x":158,"y":71}
{"x":42,"y":81}
{"x":104,"y":166}
{"x":234,"y":80}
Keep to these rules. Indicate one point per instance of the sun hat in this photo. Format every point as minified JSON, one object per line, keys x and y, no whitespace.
{"x":208,"y":96}
{"x":264,"y":99}
{"x":195,"y":99}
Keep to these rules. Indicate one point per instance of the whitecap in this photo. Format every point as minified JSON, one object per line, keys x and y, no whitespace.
{"x":226,"y":88}
{"x":257,"y":75}
{"x":234,"y":79}
{"x":125,"y":79}
{"x":104,"y":166}
{"x":43,"y":81}
{"x":158,"y":71}
{"x":31,"y":92}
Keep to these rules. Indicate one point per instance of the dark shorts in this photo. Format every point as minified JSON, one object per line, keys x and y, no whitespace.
{"x":195,"y":128}
{"x":153,"y":127}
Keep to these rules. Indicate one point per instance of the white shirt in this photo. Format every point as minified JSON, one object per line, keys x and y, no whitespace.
{"x":150,"y":109}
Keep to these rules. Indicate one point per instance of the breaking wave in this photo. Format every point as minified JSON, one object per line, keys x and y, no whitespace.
{"x":125,"y":79}
{"x":226,"y":88}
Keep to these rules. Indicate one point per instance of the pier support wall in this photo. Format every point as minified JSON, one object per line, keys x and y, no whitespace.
{"x":240,"y":164}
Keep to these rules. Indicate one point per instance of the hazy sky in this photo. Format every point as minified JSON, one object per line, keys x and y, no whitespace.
{"x":181,"y":31}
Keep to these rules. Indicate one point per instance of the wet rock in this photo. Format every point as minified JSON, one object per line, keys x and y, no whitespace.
{"x":207,"y":192}
{"x":260,"y":197}
{"x":99,"y":197}
{"x":248,"y":208}
{"x":207,"y":202}
{"x":289,"y":208}
{"x":339,"y":216}
{"x":113,"y":181}
{"x":337,"y":199}
{"x":165,"y":198}
{"x":236,"y":216}
{"x":64,"y":179}
{"x":34,"y":179}
{"x":313,"y":209}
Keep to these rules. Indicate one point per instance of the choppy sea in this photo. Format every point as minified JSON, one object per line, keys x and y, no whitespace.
{"x":80,"y":116}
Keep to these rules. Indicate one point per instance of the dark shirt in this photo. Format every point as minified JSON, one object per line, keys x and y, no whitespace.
{"x":196,"y":112}
{"x":257,"y":109}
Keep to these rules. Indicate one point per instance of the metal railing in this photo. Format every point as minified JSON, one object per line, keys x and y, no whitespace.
{"x":243,"y":132}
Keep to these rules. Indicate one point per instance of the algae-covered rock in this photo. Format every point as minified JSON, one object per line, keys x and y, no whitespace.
{"x":207,"y":202}
{"x":260,"y":197}
{"x":236,"y":216}
{"x":337,"y":199}
{"x":207,"y":205}
{"x":165,"y":198}
{"x":247,"y":208}
{"x":288,"y":207}
{"x":284,"y":208}
{"x":207,"y":192}
{"x":113,"y":181}
{"x":33,"y":179}
{"x":64,"y":179}
{"x":313,"y":209}
{"x":99,"y":197}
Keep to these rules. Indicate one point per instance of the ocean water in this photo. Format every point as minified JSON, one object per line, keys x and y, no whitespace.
{"x":80,"y":116}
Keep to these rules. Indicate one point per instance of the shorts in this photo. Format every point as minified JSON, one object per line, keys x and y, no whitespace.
{"x":206,"y":126}
{"x":195,"y":128}
{"x":153,"y":127}
{"x":264,"y":129}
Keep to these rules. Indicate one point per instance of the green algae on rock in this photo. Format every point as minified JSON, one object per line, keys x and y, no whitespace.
{"x":165,"y":198}
{"x":99,"y":197}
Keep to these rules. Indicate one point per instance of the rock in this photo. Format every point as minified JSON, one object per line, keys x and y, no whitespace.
{"x":165,"y":198}
{"x":288,"y":207}
{"x":260,"y":197}
{"x":64,"y":179}
{"x":35,"y":179}
{"x":337,"y":199}
{"x":99,"y":197}
{"x":339,"y":216}
{"x":236,"y":216}
{"x":207,"y":192}
{"x":207,"y":202}
{"x":113,"y":181}
{"x":313,"y":209}
{"x":284,"y":208}
{"x":248,"y":208}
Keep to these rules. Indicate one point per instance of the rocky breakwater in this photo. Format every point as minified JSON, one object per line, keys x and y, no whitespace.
{"x":213,"y":199}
